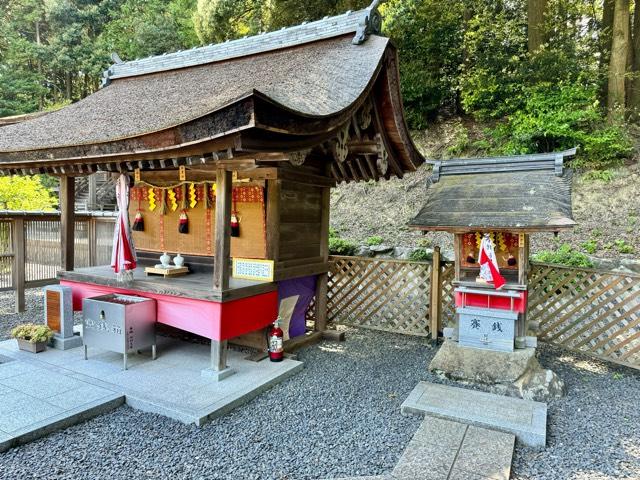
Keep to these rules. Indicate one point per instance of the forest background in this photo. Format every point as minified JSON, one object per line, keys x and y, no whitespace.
{"x":517,"y":76}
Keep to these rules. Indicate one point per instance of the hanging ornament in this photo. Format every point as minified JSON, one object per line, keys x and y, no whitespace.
{"x":501,"y":243}
{"x":183,"y":224}
{"x":138,"y":222}
{"x":192,"y":196}
{"x":208,"y":204}
{"x":235,"y":225}
{"x":152,"y":200}
{"x":172,"y":199}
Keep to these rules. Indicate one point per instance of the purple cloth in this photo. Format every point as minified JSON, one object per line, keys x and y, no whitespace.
{"x":305,"y":287}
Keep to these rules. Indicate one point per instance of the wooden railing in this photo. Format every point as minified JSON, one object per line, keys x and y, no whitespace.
{"x":30,"y":247}
{"x":592,"y":311}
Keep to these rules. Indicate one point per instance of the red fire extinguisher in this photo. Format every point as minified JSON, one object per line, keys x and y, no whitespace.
{"x":275,"y":337}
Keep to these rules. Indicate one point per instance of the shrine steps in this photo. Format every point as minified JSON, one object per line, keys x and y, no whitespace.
{"x":525,"y":419}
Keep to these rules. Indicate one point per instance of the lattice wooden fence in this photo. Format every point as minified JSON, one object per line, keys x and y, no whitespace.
{"x":390,"y":295}
{"x":587,"y":310}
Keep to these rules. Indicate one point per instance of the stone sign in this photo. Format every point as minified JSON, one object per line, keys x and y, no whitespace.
{"x":487,"y":328}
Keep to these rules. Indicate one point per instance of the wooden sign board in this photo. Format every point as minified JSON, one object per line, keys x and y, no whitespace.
{"x":53,"y":310}
{"x":182,"y":173}
{"x":253,"y":269}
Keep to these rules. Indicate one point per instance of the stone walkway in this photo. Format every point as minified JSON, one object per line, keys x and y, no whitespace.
{"x":448,"y":450}
{"x":35,"y":400}
{"x":526,"y":419}
{"x":53,"y":389}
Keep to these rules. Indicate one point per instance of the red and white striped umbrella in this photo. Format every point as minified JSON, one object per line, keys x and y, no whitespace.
{"x":123,"y":257}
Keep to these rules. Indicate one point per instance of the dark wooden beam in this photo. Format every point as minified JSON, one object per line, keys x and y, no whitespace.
{"x":67,"y":221}
{"x":273,"y":219}
{"x":221,"y":268}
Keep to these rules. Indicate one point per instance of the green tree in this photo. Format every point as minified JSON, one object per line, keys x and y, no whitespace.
{"x":24,"y":193}
{"x":428,"y":34}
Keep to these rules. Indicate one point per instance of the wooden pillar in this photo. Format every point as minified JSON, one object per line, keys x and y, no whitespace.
{"x":218,"y":355}
{"x":322,"y":286}
{"x":523,"y":274}
{"x":457,"y":253}
{"x":435,"y":296}
{"x":223,"y":230}
{"x":17,"y":232}
{"x":273,"y":219}
{"x":93,"y":241}
{"x":67,"y":221}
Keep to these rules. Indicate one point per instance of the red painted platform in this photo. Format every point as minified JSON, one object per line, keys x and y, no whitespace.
{"x":210,"y":319}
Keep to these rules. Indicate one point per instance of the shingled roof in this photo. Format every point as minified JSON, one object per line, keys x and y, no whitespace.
{"x":330,"y":85}
{"x":319,"y":79}
{"x":517,"y":193}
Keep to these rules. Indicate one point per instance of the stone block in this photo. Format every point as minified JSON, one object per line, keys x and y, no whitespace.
{"x":217,"y":375}
{"x":487,"y":453}
{"x":516,"y":373}
{"x":482,"y":366}
{"x":526,"y":419}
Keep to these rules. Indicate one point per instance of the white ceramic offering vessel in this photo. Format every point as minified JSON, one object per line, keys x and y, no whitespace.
{"x":165,"y":259}
{"x":178,"y":260}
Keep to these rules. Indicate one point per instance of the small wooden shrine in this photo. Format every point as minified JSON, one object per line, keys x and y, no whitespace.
{"x":506,"y":199}
{"x":241,"y":141}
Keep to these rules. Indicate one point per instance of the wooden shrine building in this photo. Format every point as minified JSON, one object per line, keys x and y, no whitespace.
{"x":259,"y":129}
{"x":507,"y":199}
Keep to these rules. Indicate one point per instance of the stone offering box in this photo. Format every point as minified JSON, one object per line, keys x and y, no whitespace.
{"x":119,"y":323}
{"x":487,"y":328}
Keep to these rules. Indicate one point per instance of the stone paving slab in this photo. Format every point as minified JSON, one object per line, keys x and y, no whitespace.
{"x":447,"y":450}
{"x":36,"y":400}
{"x":172,"y":385}
{"x":526,"y":419}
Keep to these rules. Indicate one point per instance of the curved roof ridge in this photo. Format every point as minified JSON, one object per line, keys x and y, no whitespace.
{"x":362,"y":23}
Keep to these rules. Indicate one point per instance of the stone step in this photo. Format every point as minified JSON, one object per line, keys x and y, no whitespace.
{"x":526,"y":419}
{"x":448,"y":450}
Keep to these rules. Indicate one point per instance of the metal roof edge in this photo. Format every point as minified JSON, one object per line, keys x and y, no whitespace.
{"x":512,"y":163}
{"x":362,"y":23}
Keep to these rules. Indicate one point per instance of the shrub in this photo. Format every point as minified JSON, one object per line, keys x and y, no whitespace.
{"x":564,"y":255}
{"x":590,"y":246}
{"x":622,"y":246}
{"x":340,"y":246}
{"x":420,"y":255}
{"x":374,"y":240}
{"x":561,"y":117}
{"x":32,"y":333}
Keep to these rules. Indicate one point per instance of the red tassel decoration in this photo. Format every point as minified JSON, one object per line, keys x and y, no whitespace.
{"x":235,"y":225}
{"x":183,"y":225}
{"x":138,"y":222}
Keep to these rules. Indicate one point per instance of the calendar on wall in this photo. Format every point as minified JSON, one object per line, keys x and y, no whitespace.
{"x":253,"y":269}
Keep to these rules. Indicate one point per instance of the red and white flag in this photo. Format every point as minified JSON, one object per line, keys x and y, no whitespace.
{"x":123,"y":257}
{"x":489,"y":265}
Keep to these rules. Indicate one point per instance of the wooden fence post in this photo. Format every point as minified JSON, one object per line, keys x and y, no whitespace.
{"x":18,"y":266}
{"x":435,"y":309}
{"x":92,"y":238}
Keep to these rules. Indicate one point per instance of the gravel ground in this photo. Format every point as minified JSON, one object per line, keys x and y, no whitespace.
{"x":340,"y":416}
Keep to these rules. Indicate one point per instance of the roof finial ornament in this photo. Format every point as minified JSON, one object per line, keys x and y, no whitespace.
{"x":115,"y":58}
{"x":370,"y":23}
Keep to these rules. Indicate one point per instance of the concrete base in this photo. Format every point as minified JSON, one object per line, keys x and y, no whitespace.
{"x":525,"y":419}
{"x":217,"y":375}
{"x":173,"y":385}
{"x":516,"y":373}
{"x":61,"y":343}
{"x":333,"y":335}
{"x":36,"y":399}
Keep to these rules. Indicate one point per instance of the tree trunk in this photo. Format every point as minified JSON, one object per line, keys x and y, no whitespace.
{"x":68,"y":81}
{"x":620,"y":43}
{"x":634,"y":94}
{"x":38,"y":41}
{"x":537,"y":34}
